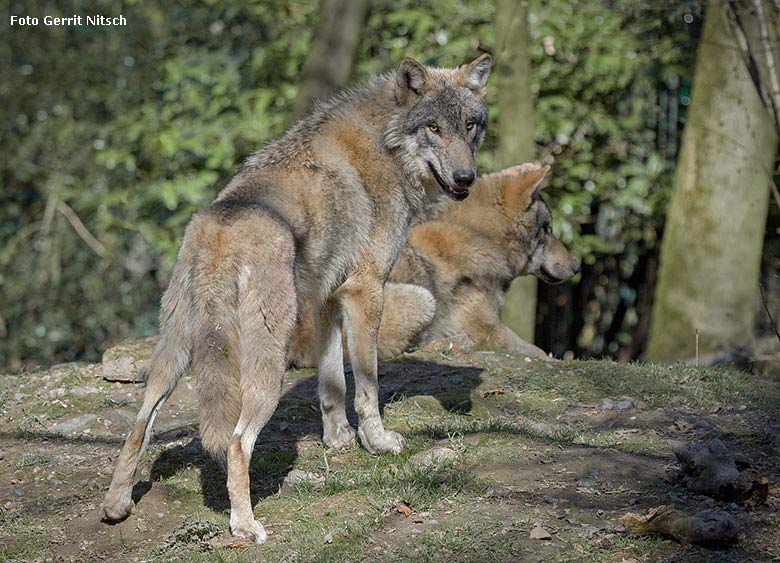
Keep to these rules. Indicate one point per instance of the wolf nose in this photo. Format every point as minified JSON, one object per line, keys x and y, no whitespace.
{"x":464,"y":178}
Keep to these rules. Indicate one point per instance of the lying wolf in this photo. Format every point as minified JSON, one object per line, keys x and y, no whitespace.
{"x":451,"y":278}
{"x":314,"y":220}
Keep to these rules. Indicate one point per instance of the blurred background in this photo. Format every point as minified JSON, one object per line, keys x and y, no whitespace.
{"x":112,"y":137}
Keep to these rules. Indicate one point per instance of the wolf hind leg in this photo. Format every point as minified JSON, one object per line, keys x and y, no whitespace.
{"x":169,"y":361}
{"x":267,"y":308}
{"x":165,"y":368}
{"x":408,"y":310}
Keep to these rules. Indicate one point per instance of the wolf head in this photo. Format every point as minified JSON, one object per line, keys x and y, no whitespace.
{"x":508,"y":203}
{"x":440,"y":122}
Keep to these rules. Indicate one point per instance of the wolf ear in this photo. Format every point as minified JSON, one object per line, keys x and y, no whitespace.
{"x":474,"y":75}
{"x":523,"y":182}
{"x":410,"y":80}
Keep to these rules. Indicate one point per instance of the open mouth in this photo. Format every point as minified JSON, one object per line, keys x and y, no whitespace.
{"x":458,"y":194}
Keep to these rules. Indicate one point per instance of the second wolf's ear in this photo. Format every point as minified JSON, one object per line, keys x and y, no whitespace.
{"x":475,"y":74}
{"x":410,"y":80}
{"x":523,"y":182}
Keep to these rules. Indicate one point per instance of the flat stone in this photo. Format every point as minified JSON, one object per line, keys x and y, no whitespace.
{"x":175,"y":426}
{"x":542,"y":428}
{"x":74,"y":425}
{"x":436,"y":456}
{"x":297,"y":476}
{"x":81,"y":391}
{"x":539,"y":533}
{"x":128,"y":360}
{"x":618,"y":403}
{"x":122,"y":418}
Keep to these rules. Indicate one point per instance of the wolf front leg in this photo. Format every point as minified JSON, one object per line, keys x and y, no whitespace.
{"x":337,"y":433}
{"x":362,"y":304}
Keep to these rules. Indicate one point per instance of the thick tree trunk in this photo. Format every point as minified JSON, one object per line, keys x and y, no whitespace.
{"x":515,"y":135}
{"x":329,"y":63}
{"x":711,"y":249}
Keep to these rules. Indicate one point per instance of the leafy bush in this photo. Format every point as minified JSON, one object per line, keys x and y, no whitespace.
{"x":113,"y":137}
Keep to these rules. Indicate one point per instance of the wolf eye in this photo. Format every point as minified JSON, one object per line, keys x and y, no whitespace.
{"x":469,"y":125}
{"x":433,"y":127}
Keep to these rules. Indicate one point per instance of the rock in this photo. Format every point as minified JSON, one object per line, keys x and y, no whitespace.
{"x":128,"y":360}
{"x":618,"y":403}
{"x":296,"y":477}
{"x":586,"y":483}
{"x":122,"y":418}
{"x":328,"y":538}
{"x":539,"y":533}
{"x":19,"y":396}
{"x":428,"y":403}
{"x":542,"y":428}
{"x":81,"y":391}
{"x":176,"y":426}
{"x":74,"y":425}
{"x":434,"y":457}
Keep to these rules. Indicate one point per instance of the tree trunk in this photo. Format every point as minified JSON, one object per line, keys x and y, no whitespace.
{"x":328,"y":65}
{"x":711,"y":248}
{"x":515,"y":136}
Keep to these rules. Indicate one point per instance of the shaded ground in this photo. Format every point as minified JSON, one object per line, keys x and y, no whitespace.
{"x":515,"y":444}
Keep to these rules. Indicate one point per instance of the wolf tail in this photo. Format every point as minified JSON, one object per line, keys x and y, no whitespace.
{"x":245,"y":307}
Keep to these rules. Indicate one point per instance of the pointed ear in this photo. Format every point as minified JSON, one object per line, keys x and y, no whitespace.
{"x":410,"y":80}
{"x":474,"y":75}
{"x":522,"y":182}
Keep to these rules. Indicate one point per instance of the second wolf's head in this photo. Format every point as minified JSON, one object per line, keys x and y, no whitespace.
{"x":508,"y":205}
{"x":440,"y":122}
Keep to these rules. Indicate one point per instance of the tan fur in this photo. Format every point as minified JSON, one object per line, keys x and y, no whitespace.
{"x":311,"y":222}
{"x":466,"y":256}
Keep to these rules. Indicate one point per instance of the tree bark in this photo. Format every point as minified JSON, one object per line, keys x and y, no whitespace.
{"x":328,"y":65}
{"x":515,"y":136}
{"x":711,"y":249}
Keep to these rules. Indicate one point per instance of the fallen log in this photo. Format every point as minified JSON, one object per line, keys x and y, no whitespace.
{"x":713,"y":470}
{"x":710,"y":527}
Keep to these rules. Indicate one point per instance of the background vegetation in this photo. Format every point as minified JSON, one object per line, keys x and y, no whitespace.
{"x":111,"y":138}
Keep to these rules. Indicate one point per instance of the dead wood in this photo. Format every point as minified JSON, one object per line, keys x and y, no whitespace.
{"x":713,"y":470}
{"x":710,"y":527}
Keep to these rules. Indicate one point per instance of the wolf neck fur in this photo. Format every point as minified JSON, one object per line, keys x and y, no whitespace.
{"x":376,"y":96}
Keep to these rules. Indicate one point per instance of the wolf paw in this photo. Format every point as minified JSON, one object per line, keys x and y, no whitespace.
{"x":252,"y":530}
{"x":379,"y":442}
{"x":339,"y":437}
{"x":116,"y":510}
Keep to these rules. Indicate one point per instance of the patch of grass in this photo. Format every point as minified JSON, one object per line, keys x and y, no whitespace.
{"x":195,"y":531}
{"x":34,"y":460}
{"x":109,"y":403}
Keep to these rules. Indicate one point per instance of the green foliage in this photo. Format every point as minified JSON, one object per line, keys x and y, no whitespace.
{"x":135,"y":128}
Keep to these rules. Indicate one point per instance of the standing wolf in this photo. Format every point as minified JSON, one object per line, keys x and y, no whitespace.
{"x":316,"y":219}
